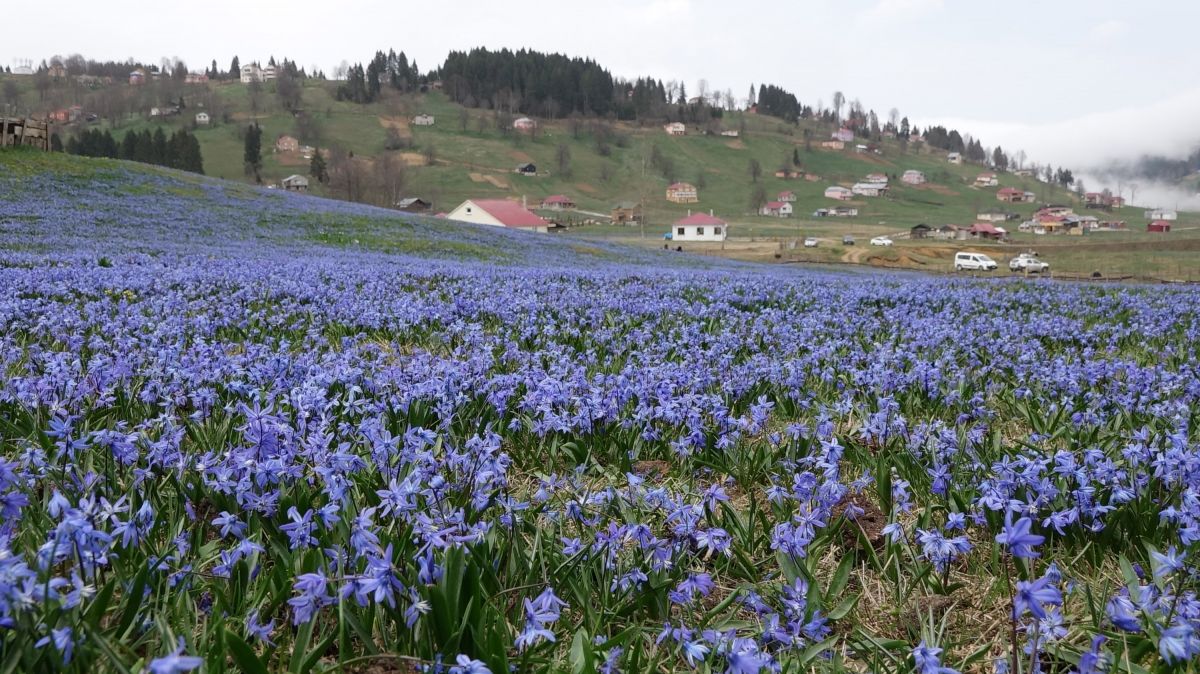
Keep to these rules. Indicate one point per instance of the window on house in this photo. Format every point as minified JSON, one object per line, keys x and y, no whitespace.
{"x":699,"y":231}
{"x":717,"y":231}
{"x":680,"y":231}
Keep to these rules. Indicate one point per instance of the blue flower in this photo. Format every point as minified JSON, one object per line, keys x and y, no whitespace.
{"x":175,"y":662}
{"x":1018,"y":539}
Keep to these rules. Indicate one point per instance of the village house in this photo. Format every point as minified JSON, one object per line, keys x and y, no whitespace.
{"x":996,"y":215}
{"x":286,"y":143}
{"x":986,"y":180}
{"x":524,"y":124}
{"x":1024,"y":173}
{"x":626,"y":213}
{"x":1161,"y":214}
{"x":986,"y":230}
{"x":920,"y":231}
{"x":137,"y":77}
{"x":165,"y":111}
{"x":838,"y":212}
{"x":422,"y":120}
{"x":499,"y":213}
{"x":294,"y":183}
{"x":699,"y":227}
{"x":776,"y":209}
{"x":950,"y":233}
{"x":558,"y":202}
{"x":869,"y":189}
{"x":252,"y":72}
{"x":1049,"y":224}
{"x":843,"y":134}
{"x":1055,"y":209}
{"x":787,"y":195}
{"x":1159,"y":226}
{"x":833,"y":145}
{"x":675,"y":129}
{"x":838,"y":192}
{"x":61,"y":116}
{"x":196,"y":78}
{"x":682,"y":193}
{"x":954,"y":158}
{"x":913,"y":177}
{"x":526,"y":169}
{"x":788,"y":174}
{"x":730,"y":133}
{"x":414,"y":205}
{"x":876,"y":178}
{"x":1011,"y":195}
{"x":202,"y":119}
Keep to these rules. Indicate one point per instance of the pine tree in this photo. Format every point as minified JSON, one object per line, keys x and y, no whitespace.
{"x":316,"y":167}
{"x":160,"y":148}
{"x":235,"y":69}
{"x":253,"y":151}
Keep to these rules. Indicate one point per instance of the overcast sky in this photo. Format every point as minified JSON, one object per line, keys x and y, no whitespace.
{"x":1070,"y":81}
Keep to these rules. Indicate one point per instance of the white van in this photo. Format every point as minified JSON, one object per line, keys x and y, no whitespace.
{"x":975,"y":261}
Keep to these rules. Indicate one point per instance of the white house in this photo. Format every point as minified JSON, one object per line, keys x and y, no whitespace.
{"x":730,"y":133}
{"x":675,"y":129}
{"x":699,"y":227}
{"x":498,"y":213}
{"x":954,"y":158}
{"x":777,"y":209}
{"x":423,"y":120}
{"x":986,"y":180}
{"x":843,"y":134}
{"x":202,"y":119}
{"x":869,"y":189}
{"x":913,"y":177}
{"x":524,"y":124}
{"x":1161,"y":214}
{"x":295,"y":183}
{"x":838,"y":192}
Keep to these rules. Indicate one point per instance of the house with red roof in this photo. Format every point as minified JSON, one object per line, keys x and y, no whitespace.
{"x":986,"y":230}
{"x":776,"y":209}
{"x":558,"y":202}
{"x":682,"y":193}
{"x":699,"y":227}
{"x":1011,"y":195}
{"x":787,"y":195}
{"x":986,"y":180}
{"x":498,"y":213}
{"x":1159,"y":226}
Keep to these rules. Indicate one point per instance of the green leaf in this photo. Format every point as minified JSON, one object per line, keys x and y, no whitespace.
{"x":844,"y":608}
{"x":840,"y":578}
{"x":581,"y":654}
{"x":243,"y":655}
{"x":133,"y":601}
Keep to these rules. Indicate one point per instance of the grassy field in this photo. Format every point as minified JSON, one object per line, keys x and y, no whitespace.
{"x":474,"y":159}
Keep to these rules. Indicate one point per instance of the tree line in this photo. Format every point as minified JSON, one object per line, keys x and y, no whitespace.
{"x":180,"y":150}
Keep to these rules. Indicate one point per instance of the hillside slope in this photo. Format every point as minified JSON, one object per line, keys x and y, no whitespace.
{"x":99,"y":207}
{"x":465,"y":155}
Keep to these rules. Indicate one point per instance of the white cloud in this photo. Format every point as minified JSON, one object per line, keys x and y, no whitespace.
{"x":661,"y":10}
{"x":1092,"y":141}
{"x":1109,"y":29}
{"x":888,"y":10}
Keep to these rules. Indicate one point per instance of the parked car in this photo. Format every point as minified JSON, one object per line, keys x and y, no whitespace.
{"x":881,"y":241}
{"x":810,"y":242}
{"x":973,"y":261}
{"x":1028,"y":263}
{"x":847,"y":240}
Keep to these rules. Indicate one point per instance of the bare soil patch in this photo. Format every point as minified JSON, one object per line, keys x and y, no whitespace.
{"x":413,"y":158}
{"x":585,"y":187}
{"x":400,"y":124}
{"x":735,"y":145}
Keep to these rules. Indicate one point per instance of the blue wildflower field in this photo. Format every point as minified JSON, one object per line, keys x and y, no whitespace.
{"x":246,"y":431}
